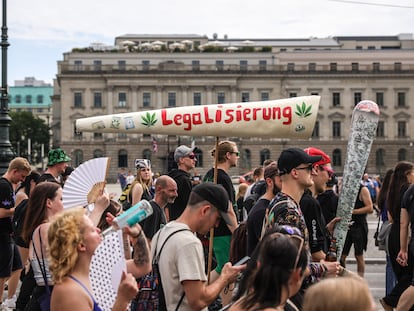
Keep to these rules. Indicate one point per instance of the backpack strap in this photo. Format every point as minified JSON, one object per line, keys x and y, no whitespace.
{"x":276,"y":213}
{"x":157,"y":258}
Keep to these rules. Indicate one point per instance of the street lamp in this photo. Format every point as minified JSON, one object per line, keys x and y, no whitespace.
{"x":6,"y":153}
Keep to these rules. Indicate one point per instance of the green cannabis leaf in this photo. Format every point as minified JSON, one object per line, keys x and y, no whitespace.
{"x":149,"y":119}
{"x":303,"y":111}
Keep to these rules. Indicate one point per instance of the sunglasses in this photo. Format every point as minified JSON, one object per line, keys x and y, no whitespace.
{"x":294,"y":237}
{"x":309,"y":168}
{"x":290,"y":230}
{"x":191,"y":156}
{"x":237,"y":153}
{"x":330,"y":173}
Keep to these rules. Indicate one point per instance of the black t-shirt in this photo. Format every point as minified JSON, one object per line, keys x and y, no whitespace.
{"x":223,"y":179}
{"x":329,"y":204}
{"x":407,"y":202}
{"x":184,"y":187}
{"x":359,"y":218}
{"x":6,"y":201}
{"x":154,"y":222}
{"x":48,"y":177}
{"x":255,"y":223}
{"x":315,"y":222}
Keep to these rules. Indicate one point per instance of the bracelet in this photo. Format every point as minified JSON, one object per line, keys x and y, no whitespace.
{"x":325,"y":270}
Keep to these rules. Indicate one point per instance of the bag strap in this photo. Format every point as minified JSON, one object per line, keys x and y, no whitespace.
{"x":157,"y":258}
{"x":42,"y":267}
{"x":378,"y":223}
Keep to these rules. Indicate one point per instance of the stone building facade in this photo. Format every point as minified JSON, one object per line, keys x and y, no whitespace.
{"x":144,"y":72}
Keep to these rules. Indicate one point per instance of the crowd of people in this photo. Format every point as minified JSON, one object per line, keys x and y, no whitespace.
{"x":286,"y":230}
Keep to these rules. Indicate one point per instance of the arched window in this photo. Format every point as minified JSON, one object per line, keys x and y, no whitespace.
{"x":380,"y":157}
{"x":123,"y":158}
{"x":337,"y":157}
{"x":264,"y":155}
{"x":199,"y":156}
{"x":78,"y":157}
{"x":98,"y":153}
{"x":402,"y":154}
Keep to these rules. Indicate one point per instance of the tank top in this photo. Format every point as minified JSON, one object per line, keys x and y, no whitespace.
{"x":359,"y":218}
{"x":96,"y":307}
{"x":40,"y":264}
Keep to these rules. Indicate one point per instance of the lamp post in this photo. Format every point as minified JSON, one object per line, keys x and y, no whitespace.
{"x":6,"y":153}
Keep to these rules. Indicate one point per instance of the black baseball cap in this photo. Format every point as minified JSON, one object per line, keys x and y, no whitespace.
{"x":217,"y":196}
{"x":293,"y":157}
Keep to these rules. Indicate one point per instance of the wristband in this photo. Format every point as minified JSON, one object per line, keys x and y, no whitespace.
{"x":325,"y":270}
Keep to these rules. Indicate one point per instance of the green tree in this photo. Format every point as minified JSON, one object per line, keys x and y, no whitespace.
{"x":25,"y":125}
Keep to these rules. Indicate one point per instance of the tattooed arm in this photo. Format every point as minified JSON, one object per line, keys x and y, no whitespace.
{"x":140,"y":264}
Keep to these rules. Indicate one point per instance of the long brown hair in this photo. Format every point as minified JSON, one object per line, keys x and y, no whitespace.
{"x":36,"y":212}
{"x":398,"y":183}
{"x":382,"y":195}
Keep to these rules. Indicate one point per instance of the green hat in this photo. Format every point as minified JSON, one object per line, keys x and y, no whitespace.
{"x":56,"y":156}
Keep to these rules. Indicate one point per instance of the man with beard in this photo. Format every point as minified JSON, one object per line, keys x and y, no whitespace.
{"x":258,"y":211}
{"x":319,"y":237}
{"x":186,"y":161}
{"x":165,"y":192}
{"x":56,"y":166}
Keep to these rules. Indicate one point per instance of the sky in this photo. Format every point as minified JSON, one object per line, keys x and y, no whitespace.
{"x":40,"y":31}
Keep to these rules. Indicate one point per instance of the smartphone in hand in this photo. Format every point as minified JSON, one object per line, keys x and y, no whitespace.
{"x":242,"y":261}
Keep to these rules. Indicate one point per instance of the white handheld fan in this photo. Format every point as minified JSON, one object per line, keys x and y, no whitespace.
{"x":85,"y":183}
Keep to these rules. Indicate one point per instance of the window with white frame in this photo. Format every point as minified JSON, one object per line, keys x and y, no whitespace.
{"x":172,"y":99}
{"x":196,"y":98}
{"x":146,"y":99}
{"x":122,"y":99}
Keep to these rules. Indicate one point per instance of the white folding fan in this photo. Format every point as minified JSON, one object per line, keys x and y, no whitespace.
{"x":84,"y":184}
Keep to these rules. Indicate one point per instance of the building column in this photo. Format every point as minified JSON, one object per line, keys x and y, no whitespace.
{"x":110,"y":106}
{"x":134,"y":98}
{"x":159,"y":97}
{"x":209,"y":90}
{"x":135,"y":103}
{"x":184,"y":96}
{"x":233,"y":90}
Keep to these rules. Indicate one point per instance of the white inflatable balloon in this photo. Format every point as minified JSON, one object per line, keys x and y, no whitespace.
{"x":292,"y":117}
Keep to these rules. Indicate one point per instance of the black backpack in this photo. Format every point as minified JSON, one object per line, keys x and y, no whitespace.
{"x":258,"y":189}
{"x":18,"y":217}
{"x":151,"y":296}
{"x":125,"y":197}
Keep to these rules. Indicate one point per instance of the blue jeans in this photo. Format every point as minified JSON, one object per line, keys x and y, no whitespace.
{"x":390,"y":279}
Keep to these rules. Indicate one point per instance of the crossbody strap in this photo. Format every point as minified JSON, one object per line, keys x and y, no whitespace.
{"x":42,"y":267}
{"x":378,"y":223}
{"x":157,"y":258}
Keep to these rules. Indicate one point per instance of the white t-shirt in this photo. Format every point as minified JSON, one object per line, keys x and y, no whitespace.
{"x":182,"y":258}
{"x":130,"y":179}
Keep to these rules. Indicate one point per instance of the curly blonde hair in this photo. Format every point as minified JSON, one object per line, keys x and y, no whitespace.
{"x":64,"y":235}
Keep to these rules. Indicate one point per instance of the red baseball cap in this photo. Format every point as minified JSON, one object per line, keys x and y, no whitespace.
{"x":325,"y":162}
